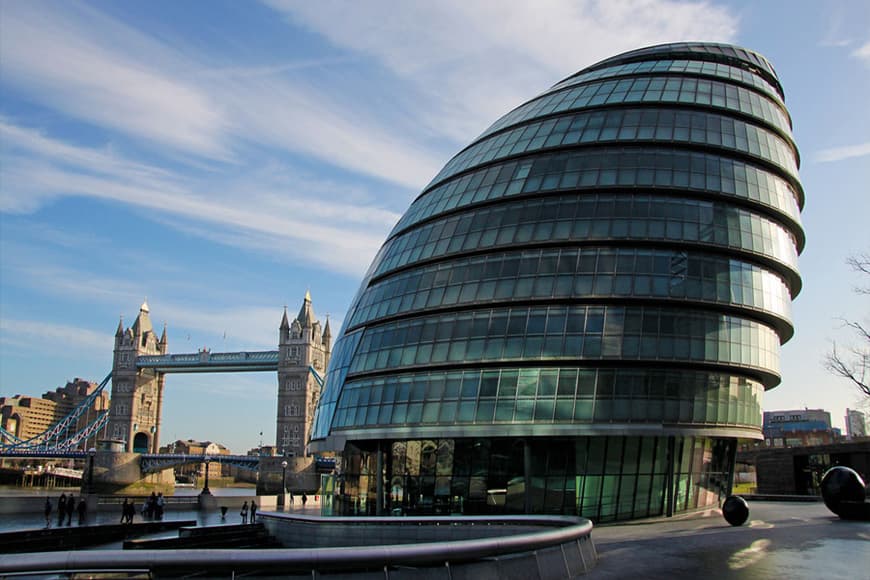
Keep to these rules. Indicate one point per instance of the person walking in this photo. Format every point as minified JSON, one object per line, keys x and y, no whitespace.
{"x":304,"y":499}
{"x":253,"y":511}
{"x":83,"y":510}
{"x":244,"y":512}
{"x":159,"y":504}
{"x":131,"y":511}
{"x":47,"y":510}
{"x":70,"y":508}
{"x":151,"y":506}
{"x":61,"y":509}
{"x":125,"y":508}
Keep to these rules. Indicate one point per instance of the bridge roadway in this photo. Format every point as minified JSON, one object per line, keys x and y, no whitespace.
{"x":148,"y":462}
{"x":206,"y":361}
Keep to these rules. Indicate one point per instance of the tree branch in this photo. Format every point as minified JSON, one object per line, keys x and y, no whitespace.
{"x":855,"y":372}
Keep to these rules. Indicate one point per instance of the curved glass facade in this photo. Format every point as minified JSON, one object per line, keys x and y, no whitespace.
{"x":581,"y":312}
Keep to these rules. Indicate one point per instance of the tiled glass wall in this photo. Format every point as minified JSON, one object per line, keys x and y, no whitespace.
{"x":616,"y":256}
{"x":630,"y":125}
{"x":593,"y":217}
{"x":710,"y":52}
{"x":602,"y":478}
{"x":568,"y":333}
{"x":575,"y":273}
{"x":646,"y":169}
{"x":550,"y":395}
{"x":653,"y":89}
{"x":676,"y":66}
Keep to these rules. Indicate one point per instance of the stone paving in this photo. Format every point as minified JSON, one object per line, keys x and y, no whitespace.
{"x":780,"y":540}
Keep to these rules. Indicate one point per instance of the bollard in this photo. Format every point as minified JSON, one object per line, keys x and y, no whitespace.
{"x":735,"y":510}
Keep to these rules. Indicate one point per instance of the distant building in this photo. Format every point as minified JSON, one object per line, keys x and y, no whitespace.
{"x":856,"y":424}
{"x":798,"y":427}
{"x":191,"y":447}
{"x":26,"y":417}
{"x":263,"y":451}
{"x":799,"y":469}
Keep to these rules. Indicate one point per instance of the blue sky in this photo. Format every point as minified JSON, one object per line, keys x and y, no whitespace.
{"x":221,"y":158}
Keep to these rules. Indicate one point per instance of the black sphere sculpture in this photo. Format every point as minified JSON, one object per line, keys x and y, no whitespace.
{"x":735,"y":510}
{"x":842,"y":484}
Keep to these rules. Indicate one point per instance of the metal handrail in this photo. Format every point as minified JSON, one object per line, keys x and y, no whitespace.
{"x":288,"y":560}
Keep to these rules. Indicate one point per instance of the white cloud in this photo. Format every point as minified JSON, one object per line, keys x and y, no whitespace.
{"x":99,"y":70}
{"x":52,"y":336}
{"x":198,"y":313}
{"x":841,"y":153}
{"x":863,"y":52}
{"x":63,"y":61}
{"x":475,"y":60}
{"x":255,"y":212}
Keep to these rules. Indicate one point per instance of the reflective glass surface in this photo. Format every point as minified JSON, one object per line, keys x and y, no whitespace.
{"x":711,"y":51}
{"x":550,"y":395}
{"x":646,"y":169}
{"x":665,"y":125}
{"x":616,"y":255}
{"x":692,"y":67}
{"x":652,"y":89}
{"x":339,"y":363}
{"x":573,"y":218}
{"x":568,"y":333}
{"x":576,"y":273}
{"x":604,"y":478}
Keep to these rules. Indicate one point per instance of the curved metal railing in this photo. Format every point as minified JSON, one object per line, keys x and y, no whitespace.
{"x":560,"y":533}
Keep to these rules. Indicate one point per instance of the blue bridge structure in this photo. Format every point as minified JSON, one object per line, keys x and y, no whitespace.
{"x":131,"y":425}
{"x":211,"y":362}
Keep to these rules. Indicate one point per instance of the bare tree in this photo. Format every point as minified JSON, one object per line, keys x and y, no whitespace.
{"x":854,"y":362}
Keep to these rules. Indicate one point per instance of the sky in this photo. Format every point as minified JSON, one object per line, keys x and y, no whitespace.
{"x":221,"y":158}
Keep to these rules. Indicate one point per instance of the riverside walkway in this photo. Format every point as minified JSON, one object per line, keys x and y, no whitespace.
{"x":798,"y":541}
{"x":780,"y":540}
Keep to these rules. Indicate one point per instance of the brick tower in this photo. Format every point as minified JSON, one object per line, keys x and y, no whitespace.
{"x":137,"y":394}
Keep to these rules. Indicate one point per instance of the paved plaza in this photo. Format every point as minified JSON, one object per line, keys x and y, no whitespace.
{"x":780,"y":540}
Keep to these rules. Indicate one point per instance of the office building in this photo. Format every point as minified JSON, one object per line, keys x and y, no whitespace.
{"x":581,"y":312}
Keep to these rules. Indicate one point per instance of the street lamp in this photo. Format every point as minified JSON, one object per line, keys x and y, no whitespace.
{"x":205,"y":489}
{"x":91,"y":453}
{"x":283,"y":481}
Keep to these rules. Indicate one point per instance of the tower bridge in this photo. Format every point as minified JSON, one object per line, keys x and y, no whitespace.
{"x":140,"y":365}
{"x":205,"y":361}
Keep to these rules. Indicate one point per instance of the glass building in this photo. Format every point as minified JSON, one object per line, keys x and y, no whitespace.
{"x":581,"y":312}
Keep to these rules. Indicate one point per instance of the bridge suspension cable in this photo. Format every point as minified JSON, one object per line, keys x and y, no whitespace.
{"x":61,"y":436}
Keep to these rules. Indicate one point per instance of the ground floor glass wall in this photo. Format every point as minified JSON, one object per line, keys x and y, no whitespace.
{"x":602,"y":478}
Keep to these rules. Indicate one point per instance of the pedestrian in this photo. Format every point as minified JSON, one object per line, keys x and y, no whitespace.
{"x":83,"y":510}
{"x":159,"y":504}
{"x":291,"y":498}
{"x":70,"y":508}
{"x":61,"y":509}
{"x":253,"y":511}
{"x":47,"y":512}
{"x":131,"y":511}
{"x":244,"y":512}
{"x":151,"y":505}
{"x":304,"y":499}
{"x":124,"y":509}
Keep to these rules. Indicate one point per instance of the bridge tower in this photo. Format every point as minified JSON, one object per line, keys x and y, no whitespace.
{"x":301,"y":343}
{"x":137,"y":394}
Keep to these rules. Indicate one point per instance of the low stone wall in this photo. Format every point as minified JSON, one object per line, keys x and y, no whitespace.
{"x":310,"y":532}
{"x":526,"y":547}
